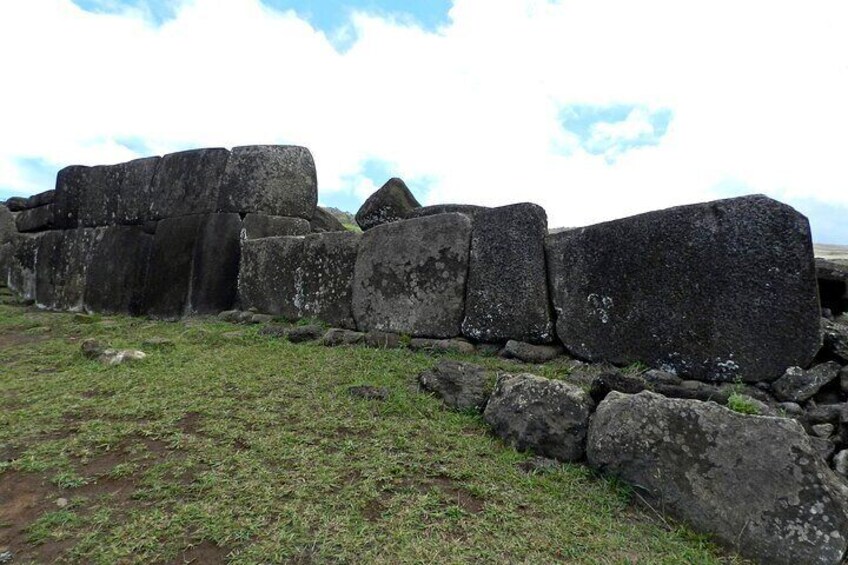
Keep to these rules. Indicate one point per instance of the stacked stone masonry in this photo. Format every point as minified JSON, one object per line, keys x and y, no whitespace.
{"x":718,"y":299}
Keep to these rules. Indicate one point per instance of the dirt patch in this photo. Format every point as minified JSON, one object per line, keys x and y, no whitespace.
{"x":203,"y":553}
{"x":458,"y":495}
{"x":375,"y":508}
{"x":13,"y":340}
{"x":190,"y":423}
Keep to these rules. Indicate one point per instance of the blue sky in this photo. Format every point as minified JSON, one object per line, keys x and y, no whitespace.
{"x":469,"y":101}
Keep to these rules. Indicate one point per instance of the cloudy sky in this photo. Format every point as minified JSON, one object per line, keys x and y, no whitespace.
{"x":596,"y":109}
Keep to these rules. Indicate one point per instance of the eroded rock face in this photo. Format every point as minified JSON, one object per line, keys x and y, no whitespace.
{"x":21,"y":257}
{"x":7,"y":225}
{"x":35,"y":219}
{"x":714,"y":291}
{"x":117,"y":274}
{"x":300,"y":277}
{"x":63,"y":260}
{"x":507,"y":295}
{"x":323,"y":221}
{"x":548,"y":417}
{"x":187,"y":182}
{"x":798,"y":385}
{"x":410,"y":276}
{"x":756,"y":483}
{"x":393,"y":202}
{"x":461,"y":386}
{"x":278,"y":180}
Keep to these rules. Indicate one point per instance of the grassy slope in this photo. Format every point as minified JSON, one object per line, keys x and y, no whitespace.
{"x":234,"y":445}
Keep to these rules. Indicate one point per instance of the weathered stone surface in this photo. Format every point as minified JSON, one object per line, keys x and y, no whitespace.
{"x":393,"y":202}
{"x":187,"y":182}
{"x":756,"y":483}
{"x":169,"y":275}
{"x":835,"y":340}
{"x":798,"y":385}
{"x":461,"y":386}
{"x":382,"y":340}
{"x":548,"y":417}
{"x":278,"y":180}
{"x":300,"y":334}
{"x":113,"y":194}
{"x":467,"y":209}
{"x":63,"y":260}
{"x":410,"y":276}
{"x":323,"y":221}
{"x":16,"y":203}
{"x":256,"y":226}
{"x":70,"y":184}
{"x":35,"y":219}
{"x":215,"y":264}
{"x":455,"y":345}
{"x":529,"y":353}
{"x":840,"y":463}
{"x":716,"y":291}
{"x":823,"y":430}
{"x":117,"y":275}
{"x":507,"y":293}
{"x":7,"y":225}
{"x":41,"y":199}
{"x":21,"y":262}
{"x":339,"y":336}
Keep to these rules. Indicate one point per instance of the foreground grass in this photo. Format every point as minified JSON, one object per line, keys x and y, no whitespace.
{"x":232,"y":447}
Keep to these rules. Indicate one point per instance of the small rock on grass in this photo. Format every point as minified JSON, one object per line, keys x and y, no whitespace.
{"x":93,"y":349}
{"x":823,"y":430}
{"x":383,"y":340}
{"x":798,"y":385}
{"x":6,"y":557}
{"x":461,"y":386}
{"x":275,"y":330}
{"x":530,"y":353}
{"x":337,"y":336}
{"x":61,"y":502}
{"x":456,"y":345}
{"x":368,"y":392}
{"x":301,"y":334}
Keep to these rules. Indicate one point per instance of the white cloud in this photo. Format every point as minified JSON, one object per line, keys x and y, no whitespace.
{"x":757,"y":93}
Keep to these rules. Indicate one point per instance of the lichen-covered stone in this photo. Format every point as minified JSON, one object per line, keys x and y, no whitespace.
{"x":461,"y":386}
{"x":756,"y":483}
{"x":35,"y":219}
{"x":410,"y":276}
{"x":798,"y":385}
{"x":300,"y":277}
{"x":723,"y":290}
{"x":117,"y":275}
{"x":63,"y":260}
{"x":507,"y":295}
{"x":20,"y":264}
{"x":323,"y":221}
{"x":169,"y":275}
{"x":278,"y":180}
{"x":393,"y":202}
{"x":7,"y":225}
{"x":530,"y":353}
{"x":187,"y":182}
{"x":548,"y":417}
{"x":256,"y":226}
{"x":117,"y":194}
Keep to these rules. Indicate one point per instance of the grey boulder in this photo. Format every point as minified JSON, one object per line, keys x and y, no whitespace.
{"x":798,"y":385}
{"x":277,"y":180}
{"x":410,"y":276}
{"x":64,"y":257}
{"x":754,"y":482}
{"x":549,"y":417}
{"x":323,"y":221}
{"x":461,"y":386}
{"x":723,"y":290}
{"x":35,"y":219}
{"x":507,"y":294}
{"x":187,"y":182}
{"x":393,"y":202}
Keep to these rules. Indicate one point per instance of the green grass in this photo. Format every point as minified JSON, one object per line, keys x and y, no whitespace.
{"x":252,"y":445}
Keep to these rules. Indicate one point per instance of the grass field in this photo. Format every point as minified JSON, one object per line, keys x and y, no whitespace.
{"x":226,"y":446}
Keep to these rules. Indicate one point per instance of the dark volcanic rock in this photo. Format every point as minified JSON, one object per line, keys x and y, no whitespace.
{"x":278,"y":180}
{"x":382,"y":340}
{"x":188,"y":182}
{"x":116,"y":277}
{"x":16,"y":203}
{"x":256,"y":226}
{"x":63,"y":260}
{"x":798,"y":385}
{"x":455,"y":345}
{"x":715,"y":291}
{"x":548,"y":417}
{"x":300,"y":334}
{"x":22,"y":252}
{"x":529,"y":353}
{"x":461,"y":386}
{"x":301,"y":277}
{"x":339,"y":336}
{"x":467,"y":209}
{"x":507,"y":294}
{"x":391,"y":203}
{"x":756,"y":483}
{"x":169,"y":276}
{"x":7,"y":225}
{"x":368,"y":392}
{"x":215,"y":267}
{"x":41,"y":199}
{"x":113,"y":194}
{"x":410,"y":276}
{"x":35,"y":219}
{"x":835,"y":340}
{"x":323,"y":221}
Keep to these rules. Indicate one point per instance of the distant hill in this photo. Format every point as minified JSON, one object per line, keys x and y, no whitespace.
{"x":341,"y":215}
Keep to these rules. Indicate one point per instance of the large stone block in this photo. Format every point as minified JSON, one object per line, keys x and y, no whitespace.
{"x":20,"y":265}
{"x":507,"y":294}
{"x":41,"y":199}
{"x":467,"y":209}
{"x":61,"y":267}
{"x":256,"y":226}
{"x":393,"y":202}
{"x":410,"y":276}
{"x":115,"y":194}
{"x":7,"y":225}
{"x":323,"y":221}
{"x":187,"y":182}
{"x":754,"y":482}
{"x":169,"y":274}
{"x":117,"y":274}
{"x":301,"y":277}
{"x":214,"y":283}
{"x":71,"y":182}
{"x":716,"y":291}
{"x":17,"y":203}
{"x":35,"y":219}
{"x":278,"y":180}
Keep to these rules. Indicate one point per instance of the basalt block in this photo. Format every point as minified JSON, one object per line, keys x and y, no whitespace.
{"x":301,"y":277}
{"x":410,"y":276}
{"x":117,"y":274}
{"x":114,"y":194}
{"x":7,"y":225}
{"x":214,"y":284}
{"x":393,"y":202}
{"x":64,"y":257}
{"x":720,"y":291}
{"x":35,"y":219}
{"x":256,"y":226}
{"x":187,"y":182}
{"x":756,"y":483}
{"x":467,"y":209}
{"x":278,"y":180}
{"x":507,"y":295}
{"x":323,"y":221}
